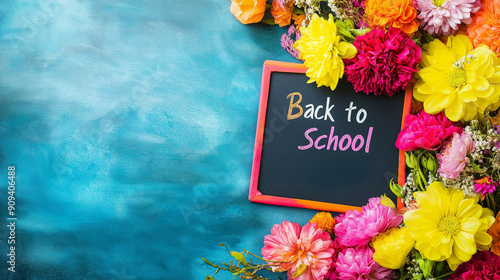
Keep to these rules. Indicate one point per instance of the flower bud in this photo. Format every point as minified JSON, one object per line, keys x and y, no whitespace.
{"x":396,"y":189}
{"x":411,"y":160}
{"x":387,"y":202}
{"x":432,"y":165}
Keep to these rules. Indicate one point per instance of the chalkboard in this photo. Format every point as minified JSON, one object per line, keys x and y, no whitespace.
{"x":323,"y":149}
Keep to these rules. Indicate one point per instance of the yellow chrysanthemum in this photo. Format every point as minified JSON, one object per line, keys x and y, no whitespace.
{"x":448,"y":226}
{"x":322,"y":51}
{"x":391,"y":247}
{"x":458,"y":79}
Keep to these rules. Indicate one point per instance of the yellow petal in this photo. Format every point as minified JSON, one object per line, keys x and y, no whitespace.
{"x":456,"y":110}
{"x":479,"y":82}
{"x":436,"y":102}
{"x":470,"y":225}
{"x":495,"y":77}
{"x":347,"y":50}
{"x":440,"y":55}
{"x":469,"y":208}
{"x":460,"y":45}
{"x":470,"y":111}
{"x":453,"y":262}
{"x":467,"y":94}
{"x":482,"y":61}
{"x":433,"y":76}
{"x":466,"y":243}
{"x":483,"y":238}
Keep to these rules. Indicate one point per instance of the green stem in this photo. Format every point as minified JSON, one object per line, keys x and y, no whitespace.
{"x":493,"y":205}
{"x":420,"y":174}
{"x":262,"y":258}
{"x":487,"y":198}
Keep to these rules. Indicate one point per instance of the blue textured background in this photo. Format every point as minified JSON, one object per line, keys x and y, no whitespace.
{"x":131,"y":125}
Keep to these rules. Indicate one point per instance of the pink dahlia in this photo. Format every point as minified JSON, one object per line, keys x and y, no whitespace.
{"x":485,"y":186}
{"x":483,"y":265}
{"x":453,"y":157}
{"x":356,"y":228}
{"x":443,"y":17}
{"x":295,"y":246}
{"x":358,"y":264}
{"x":385,"y":62}
{"x":425,"y":131}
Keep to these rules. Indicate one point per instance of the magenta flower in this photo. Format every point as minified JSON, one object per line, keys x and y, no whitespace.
{"x":443,"y":17}
{"x":287,"y":41}
{"x":425,"y":131}
{"x":356,"y":228}
{"x":357,"y":263}
{"x":483,"y":265}
{"x":453,"y":157}
{"x":485,"y":186}
{"x":295,"y":246}
{"x":385,"y":62}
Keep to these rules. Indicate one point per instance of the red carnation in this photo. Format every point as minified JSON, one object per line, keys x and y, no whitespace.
{"x":483,"y":265}
{"x":424,"y":131}
{"x":385,"y":62}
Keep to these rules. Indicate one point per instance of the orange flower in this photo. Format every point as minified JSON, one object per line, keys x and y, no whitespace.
{"x":298,"y":19}
{"x":495,"y":121}
{"x":485,"y":26}
{"x":494,"y":231}
{"x":325,"y":221}
{"x":248,"y":11}
{"x":282,"y":16}
{"x":396,"y":13}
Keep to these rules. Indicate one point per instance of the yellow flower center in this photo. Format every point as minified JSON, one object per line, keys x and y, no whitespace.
{"x":457,"y":78}
{"x":449,"y":225}
{"x":438,"y":3}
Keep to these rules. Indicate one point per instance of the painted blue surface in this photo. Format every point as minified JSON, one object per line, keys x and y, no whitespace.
{"x":131,"y":126}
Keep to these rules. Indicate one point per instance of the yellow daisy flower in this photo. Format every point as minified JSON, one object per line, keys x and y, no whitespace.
{"x":322,"y":51}
{"x":458,"y":79}
{"x":448,"y":226}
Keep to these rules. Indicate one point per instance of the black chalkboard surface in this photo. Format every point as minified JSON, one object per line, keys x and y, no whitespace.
{"x":323,"y":149}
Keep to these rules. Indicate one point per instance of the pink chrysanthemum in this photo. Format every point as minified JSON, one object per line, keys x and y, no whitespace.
{"x":424,"y":131}
{"x":357,"y":263}
{"x":485,"y":186}
{"x":295,"y":246}
{"x":356,"y":228}
{"x":385,"y":62}
{"x":443,"y":17}
{"x":453,"y":157}
{"x":483,"y":265}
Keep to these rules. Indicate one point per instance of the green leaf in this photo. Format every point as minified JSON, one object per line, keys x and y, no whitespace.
{"x":477,"y":168}
{"x":298,"y":11}
{"x":428,"y":37}
{"x":209,"y":262}
{"x":239,"y":271}
{"x":300,"y":270}
{"x":359,"y":32}
{"x":239,"y":256}
{"x":269,"y":21}
{"x":209,"y":278}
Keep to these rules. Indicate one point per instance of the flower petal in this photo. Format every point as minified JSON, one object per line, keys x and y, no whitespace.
{"x":455,"y":110}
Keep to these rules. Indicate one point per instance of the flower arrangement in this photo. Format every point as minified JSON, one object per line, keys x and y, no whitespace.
{"x":446,"y":51}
